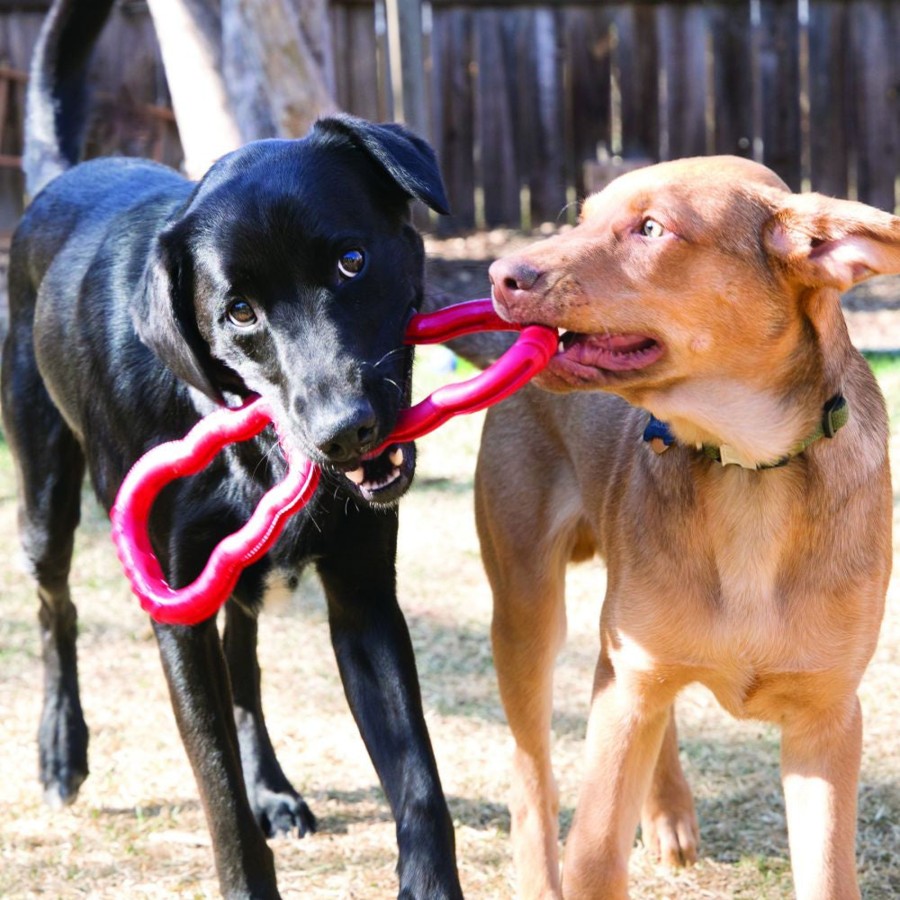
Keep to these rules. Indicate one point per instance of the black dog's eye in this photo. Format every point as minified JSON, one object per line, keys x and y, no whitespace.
{"x":240,"y":313}
{"x":351,"y":263}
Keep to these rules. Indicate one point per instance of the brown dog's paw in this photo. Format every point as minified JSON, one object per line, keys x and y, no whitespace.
{"x":672,"y":837}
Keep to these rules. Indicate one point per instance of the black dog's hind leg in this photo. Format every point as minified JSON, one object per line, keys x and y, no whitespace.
{"x":279,"y":809}
{"x":50,"y":468}
{"x":195,"y":669}
{"x":377,"y":666}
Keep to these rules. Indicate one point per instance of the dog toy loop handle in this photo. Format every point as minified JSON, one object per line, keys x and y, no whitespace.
{"x":521,"y":362}
{"x":175,"y":459}
{"x":442,"y":325}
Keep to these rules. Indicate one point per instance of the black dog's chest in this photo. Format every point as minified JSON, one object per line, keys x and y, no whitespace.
{"x":193,"y":515}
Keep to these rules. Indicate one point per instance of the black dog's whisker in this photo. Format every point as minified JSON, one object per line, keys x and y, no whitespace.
{"x":394,"y":384}
{"x":389,"y":354}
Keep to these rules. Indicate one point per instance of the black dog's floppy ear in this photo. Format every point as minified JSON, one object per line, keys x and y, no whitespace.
{"x":166,"y":319}
{"x":408,"y":160}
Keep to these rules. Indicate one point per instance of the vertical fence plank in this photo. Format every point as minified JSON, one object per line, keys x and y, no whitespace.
{"x":635,"y":75}
{"x":830,"y":105}
{"x":453,"y":119}
{"x":338,"y":16}
{"x":356,"y":60}
{"x":518,"y":33}
{"x":539,"y":125}
{"x":497,"y":170}
{"x":683,"y":91}
{"x":732,"y":82}
{"x":364,"y":62}
{"x":779,"y":68}
{"x":875,"y":31}
{"x":588,"y":113}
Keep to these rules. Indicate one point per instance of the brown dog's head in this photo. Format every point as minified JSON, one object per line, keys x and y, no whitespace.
{"x":699,"y":275}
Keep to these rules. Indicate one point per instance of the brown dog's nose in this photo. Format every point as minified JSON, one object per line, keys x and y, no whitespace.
{"x":513,"y":275}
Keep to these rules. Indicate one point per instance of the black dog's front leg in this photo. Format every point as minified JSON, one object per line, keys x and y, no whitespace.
{"x":278,"y":807}
{"x":375,"y":658}
{"x":195,"y":669}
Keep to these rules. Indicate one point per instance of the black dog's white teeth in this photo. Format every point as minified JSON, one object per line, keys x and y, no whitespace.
{"x":368,"y":483}
{"x":390,"y":478}
{"x":357,"y":476}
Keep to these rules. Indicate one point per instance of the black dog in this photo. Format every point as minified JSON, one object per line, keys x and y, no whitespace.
{"x":139,"y":302}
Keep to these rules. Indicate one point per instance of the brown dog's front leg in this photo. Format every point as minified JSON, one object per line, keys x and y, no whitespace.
{"x":523,"y":609}
{"x":668,"y":818}
{"x":820,"y":759}
{"x":624,"y":737}
{"x":194,"y":664}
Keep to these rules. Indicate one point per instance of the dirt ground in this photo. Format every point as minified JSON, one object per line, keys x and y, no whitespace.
{"x":137,"y":829}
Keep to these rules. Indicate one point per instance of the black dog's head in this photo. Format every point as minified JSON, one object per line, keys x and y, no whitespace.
{"x":292,"y":273}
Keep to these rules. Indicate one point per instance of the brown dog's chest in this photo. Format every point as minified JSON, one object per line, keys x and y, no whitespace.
{"x":746,"y":592}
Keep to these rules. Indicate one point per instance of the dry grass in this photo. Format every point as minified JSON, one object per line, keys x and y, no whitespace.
{"x":137,"y":829}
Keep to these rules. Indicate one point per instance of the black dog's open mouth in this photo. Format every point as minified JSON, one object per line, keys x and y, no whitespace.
{"x":384,"y":478}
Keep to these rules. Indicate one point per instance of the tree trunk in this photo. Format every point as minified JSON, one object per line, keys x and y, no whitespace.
{"x":188,"y":34}
{"x":240,"y":70}
{"x":276,"y":59}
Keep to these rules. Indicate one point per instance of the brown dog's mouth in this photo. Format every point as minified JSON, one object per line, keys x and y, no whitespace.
{"x":584,"y":354}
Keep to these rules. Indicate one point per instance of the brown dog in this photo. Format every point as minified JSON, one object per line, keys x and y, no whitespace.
{"x":752,"y":555}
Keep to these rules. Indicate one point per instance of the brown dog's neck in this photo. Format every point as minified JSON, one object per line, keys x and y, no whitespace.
{"x":835,"y":414}
{"x":827,"y":327}
{"x":761,"y":425}
{"x":753,"y":426}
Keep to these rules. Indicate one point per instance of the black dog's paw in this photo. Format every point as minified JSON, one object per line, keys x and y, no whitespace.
{"x":63,"y":743}
{"x":450,"y":892}
{"x":283,"y":813}
{"x":62,"y":790}
{"x":434,"y":880}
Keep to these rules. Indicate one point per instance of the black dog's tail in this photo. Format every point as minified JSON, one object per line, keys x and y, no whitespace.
{"x":56,"y":104}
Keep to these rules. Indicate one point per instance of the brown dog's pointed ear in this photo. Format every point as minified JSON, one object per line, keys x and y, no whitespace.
{"x":166,"y":319}
{"x":832,"y":243}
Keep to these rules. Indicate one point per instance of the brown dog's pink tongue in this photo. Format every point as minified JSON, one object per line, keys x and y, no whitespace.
{"x":615,"y":352}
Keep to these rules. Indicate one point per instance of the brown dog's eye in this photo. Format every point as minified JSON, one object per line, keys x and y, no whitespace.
{"x":351,"y":263}
{"x":241,"y":313}
{"x":651,"y":228}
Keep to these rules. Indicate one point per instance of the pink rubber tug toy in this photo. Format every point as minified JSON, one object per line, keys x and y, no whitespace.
{"x":201,"y":599}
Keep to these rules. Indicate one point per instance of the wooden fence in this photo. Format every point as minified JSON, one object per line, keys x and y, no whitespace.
{"x":522,"y":95}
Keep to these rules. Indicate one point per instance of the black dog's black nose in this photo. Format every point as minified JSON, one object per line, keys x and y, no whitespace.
{"x":346,"y":433}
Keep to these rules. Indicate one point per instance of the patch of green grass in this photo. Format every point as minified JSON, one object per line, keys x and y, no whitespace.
{"x":886,"y":367}
{"x":884,"y":364}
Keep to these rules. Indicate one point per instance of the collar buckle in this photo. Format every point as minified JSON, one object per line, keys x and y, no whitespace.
{"x":834,"y":415}
{"x":658,"y":435}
